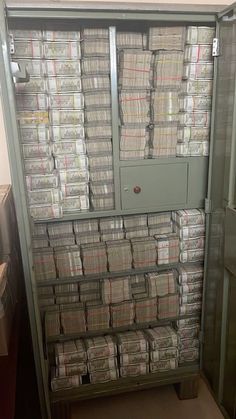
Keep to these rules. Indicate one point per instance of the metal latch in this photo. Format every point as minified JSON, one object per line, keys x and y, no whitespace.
{"x":229,"y":18}
{"x":207,"y":206}
{"x":216,"y":47}
{"x":19,"y":73}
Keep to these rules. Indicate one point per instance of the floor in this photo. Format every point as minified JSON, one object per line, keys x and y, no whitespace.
{"x":158,"y":403}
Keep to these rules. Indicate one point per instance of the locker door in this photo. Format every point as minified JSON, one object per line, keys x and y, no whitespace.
{"x":10,"y":121}
{"x":219,"y":348}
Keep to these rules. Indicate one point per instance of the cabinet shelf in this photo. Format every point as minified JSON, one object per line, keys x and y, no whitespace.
{"x":84,"y":215}
{"x":113,"y":331}
{"x":121,"y":385}
{"x":192,"y":170}
{"x":161,"y":160}
{"x":82,"y":278}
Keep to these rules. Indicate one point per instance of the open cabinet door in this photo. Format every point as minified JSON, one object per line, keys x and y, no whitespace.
{"x":17,"y":177}
{"x":219,"y":317}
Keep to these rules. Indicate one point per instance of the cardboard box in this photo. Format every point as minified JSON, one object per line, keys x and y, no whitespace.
{"x":8,"y":224}
{"x":7,"y":305}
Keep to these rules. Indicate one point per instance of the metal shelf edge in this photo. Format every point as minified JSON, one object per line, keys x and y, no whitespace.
{"x":121,"y":15}
{"x":121,"y":385}
{"x":124,"y":6}
{"x":112,"y":331}
{"x":109,"y":213}
{"x":109,"y":274}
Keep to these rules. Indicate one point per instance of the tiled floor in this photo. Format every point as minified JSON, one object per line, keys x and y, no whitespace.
{"x":158,"y":403}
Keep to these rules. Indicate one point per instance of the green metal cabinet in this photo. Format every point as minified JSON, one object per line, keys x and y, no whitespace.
{"x":166,"y":184}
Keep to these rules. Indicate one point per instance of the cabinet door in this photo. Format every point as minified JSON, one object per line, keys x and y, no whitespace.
{"x":229,"y":376}
{"x":229,"y":366}
{"x":152,"y":186}
{"x":180,"y":183}
{"x":220,"y":290}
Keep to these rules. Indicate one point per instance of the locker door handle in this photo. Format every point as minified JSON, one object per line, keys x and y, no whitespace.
{"x":137,"y":189}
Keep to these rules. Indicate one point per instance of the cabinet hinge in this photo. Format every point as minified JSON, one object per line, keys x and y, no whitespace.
{"x":207,"y":206}
{"x":216,"y":47}
{"x":229,"y":18}
{"x":201,"y":336}
{"x":11,"y":44}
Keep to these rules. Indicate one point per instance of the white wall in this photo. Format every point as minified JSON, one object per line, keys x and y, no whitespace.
{"x":4,"y":164}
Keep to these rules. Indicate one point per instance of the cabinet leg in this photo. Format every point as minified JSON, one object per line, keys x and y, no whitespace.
{"x":61,"y":411}
{"x":188,"y":389}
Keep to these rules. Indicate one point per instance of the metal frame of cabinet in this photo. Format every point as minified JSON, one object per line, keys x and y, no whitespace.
{"x":116,"y":14}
